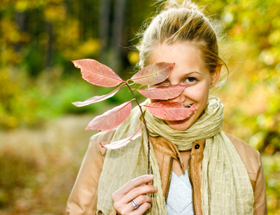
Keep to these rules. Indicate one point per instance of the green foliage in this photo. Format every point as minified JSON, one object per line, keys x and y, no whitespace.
{"x":30,"y":102}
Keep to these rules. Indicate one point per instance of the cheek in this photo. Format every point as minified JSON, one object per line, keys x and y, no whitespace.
{"x":199,"y":94}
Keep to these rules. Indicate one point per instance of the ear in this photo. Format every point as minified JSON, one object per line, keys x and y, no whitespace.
{"x":215,"y":76}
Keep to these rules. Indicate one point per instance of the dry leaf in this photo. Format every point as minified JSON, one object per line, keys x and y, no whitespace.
{"x":171,"y":111}
{"x":97,"y":98}
{"x":97,"y":73}
{"x":153,"y":74}
{"x":111,"y":118}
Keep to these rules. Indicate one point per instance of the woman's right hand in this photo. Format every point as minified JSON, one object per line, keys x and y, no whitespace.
{"x":135,"y":190}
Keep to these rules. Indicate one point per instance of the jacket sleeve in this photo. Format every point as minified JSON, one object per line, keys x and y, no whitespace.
{"x":260,"y":206}
{"x":83,"y":197}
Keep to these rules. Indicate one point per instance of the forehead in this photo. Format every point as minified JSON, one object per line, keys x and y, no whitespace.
{"x":186,"y":56}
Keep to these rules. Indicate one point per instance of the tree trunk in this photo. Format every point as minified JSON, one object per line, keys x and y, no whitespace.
{"x":104,"y":23}
{"x":20,"y":21}
{"x":49,"y":48}
{"x":117,"y":33}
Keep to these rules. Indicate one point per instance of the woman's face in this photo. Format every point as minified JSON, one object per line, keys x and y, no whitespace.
{"x":189,"y":69}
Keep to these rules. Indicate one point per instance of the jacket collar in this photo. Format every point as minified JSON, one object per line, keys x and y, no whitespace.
{"x":169,"y":149}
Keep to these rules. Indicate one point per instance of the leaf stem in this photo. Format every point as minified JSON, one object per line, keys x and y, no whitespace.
{"x":144,"y":121}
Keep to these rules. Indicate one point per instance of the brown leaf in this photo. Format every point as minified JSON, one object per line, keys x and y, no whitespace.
{"x":97,"y":98}
{"x":153,"y":74}
{"x":121,"y":143}
{"x":97,"y":73}
{"x":163,"y":93}
{"x":111,"y":118}
{"x":171,"y":111}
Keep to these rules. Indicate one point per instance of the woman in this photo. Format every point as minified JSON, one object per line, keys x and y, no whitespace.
{"x":197,"y":168}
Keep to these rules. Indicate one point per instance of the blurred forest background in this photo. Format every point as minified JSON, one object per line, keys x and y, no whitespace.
{"x":42,"y":137}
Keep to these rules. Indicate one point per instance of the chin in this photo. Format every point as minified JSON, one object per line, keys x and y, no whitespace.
{"x":180,"y":125}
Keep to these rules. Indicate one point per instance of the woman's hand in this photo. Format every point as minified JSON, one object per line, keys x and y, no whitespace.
{"x":135,"y":190}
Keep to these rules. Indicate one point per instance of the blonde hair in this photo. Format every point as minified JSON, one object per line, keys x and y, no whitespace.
{"x":178,"y":23}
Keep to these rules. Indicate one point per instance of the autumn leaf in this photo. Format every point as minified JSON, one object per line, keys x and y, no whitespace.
{"x":163,"y":93}
{"x":111,"y":118}
{"x":171,"y":111}
{"x":121,"y":143}
{"x":153,"y":74}
{"x":97,"y":98}
{"x":97,"y":73}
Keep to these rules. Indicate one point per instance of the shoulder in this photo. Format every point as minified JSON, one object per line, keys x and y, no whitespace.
{"x":250,"y":156}
{"x":243,"y":148}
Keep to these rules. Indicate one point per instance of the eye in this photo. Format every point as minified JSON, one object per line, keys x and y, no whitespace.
{"x":190,"y":80}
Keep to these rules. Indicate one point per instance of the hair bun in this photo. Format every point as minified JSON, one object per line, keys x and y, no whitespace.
{"x":184,"y":4}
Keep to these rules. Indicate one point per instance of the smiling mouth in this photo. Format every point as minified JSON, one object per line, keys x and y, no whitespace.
{"x":189,"y":106}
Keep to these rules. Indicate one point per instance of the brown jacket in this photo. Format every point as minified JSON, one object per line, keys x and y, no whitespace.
{"x":83,"y":198}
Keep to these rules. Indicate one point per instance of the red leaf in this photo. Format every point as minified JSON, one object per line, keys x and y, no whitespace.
{"x":97,"y":73}
{"x":163,"y":93}
{"x":153,"y":74}
{"x":97,"y":98}
{"x":171,"y":111}
{"x":111,"y":118}
{"x":121,"y":143}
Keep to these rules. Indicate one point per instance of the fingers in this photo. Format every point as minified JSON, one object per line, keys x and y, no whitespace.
{"x":136,"y":190}
{"x":144,"y":202}
{"x":142,"y":209}
{"x":139,"y":191}
{"x":137,"y":182}
{"x":140,"y":200}
{"x":132,"y":184}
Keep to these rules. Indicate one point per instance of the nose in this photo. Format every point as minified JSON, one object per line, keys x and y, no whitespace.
{"x":180,"y":98}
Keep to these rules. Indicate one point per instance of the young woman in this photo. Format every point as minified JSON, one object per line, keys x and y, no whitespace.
{"x":197,"y":168}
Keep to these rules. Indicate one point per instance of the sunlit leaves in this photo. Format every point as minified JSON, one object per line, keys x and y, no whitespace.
{"x":97,"y":73}
{"x":163,"y":93}
{"x":111,"y":118}
{"x":171,"y":111}
{"x":121,"y":143}
{"x":153,"y":74}
{"x":101,"y":75}
{"x":97,"y":98}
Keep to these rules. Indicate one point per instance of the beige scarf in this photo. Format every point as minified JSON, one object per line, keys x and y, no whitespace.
{"x":225,"y":188}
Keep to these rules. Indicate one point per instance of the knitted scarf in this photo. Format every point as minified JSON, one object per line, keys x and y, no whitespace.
{"x":225,"y":187}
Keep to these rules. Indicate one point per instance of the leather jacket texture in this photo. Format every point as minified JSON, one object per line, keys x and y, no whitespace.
{"x":83,"y":197}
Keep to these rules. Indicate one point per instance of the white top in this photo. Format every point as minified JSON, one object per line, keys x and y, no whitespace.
{"x":179,"y":200}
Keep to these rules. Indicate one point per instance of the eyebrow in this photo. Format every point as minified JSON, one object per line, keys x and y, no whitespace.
{"x":193,"y":72}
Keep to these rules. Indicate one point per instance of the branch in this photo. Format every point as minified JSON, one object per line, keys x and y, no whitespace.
{"x":147,"y":131}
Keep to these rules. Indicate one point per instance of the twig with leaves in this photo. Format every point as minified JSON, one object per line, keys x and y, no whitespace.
{"x":101,"y":75}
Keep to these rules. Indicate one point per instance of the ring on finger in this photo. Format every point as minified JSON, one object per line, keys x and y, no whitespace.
{"x":134,"y":204}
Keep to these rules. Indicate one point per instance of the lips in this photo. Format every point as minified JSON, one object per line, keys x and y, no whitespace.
{"x":192,"y":107}
{"x":188,"y":106}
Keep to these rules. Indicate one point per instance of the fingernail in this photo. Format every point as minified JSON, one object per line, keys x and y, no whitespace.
{"x":151,"y":176}
{"x":156,"y":189}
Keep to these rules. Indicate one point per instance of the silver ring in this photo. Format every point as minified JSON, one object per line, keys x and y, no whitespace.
{"x":134,"y":204}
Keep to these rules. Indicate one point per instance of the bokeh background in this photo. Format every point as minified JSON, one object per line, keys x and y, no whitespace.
{"x":42,"y":136}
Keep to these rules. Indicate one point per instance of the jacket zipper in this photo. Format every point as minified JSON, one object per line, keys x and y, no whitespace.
{"x":189,"y":172}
